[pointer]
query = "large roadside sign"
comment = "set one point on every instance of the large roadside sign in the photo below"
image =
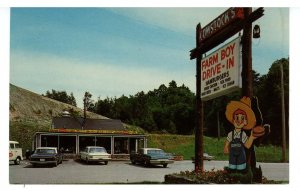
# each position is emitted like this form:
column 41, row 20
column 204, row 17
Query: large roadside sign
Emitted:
column 223, row 21
column 221, row 71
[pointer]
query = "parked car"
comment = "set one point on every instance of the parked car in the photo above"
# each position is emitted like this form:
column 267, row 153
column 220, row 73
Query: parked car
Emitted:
column 15, row 152
column 45, row 156
column 206, row 156
column 95, row 153
column 151, row 156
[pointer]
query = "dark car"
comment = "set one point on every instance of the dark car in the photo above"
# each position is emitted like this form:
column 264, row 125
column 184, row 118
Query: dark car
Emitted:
column 151, row 156
column 46, row 156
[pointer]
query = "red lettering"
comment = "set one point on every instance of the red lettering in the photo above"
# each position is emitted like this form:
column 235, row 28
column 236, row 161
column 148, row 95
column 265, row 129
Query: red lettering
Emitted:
column 211, row 72
column 230, row 62
column 228, row 51
column 210, row 61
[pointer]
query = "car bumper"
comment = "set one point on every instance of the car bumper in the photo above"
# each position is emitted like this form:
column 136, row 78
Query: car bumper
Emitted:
column 157, row 162
column 43, row 162
column 98, row 159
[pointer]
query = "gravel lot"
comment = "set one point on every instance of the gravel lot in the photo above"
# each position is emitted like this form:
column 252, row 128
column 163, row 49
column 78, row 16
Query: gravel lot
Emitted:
column 73, row 172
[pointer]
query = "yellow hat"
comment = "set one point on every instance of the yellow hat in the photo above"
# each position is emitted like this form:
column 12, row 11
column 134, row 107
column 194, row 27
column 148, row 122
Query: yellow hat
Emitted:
column 245, row 105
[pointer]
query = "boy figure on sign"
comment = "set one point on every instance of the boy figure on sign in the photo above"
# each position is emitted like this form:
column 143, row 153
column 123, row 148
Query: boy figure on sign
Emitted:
column 242, row 117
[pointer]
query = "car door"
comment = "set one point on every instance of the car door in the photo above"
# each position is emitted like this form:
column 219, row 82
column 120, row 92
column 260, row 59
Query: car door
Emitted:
column 84, row 153
column 12, row 151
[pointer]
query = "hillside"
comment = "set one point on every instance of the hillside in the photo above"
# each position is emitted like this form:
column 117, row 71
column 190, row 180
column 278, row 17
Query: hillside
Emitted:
column 24, row 104
column 30, row 112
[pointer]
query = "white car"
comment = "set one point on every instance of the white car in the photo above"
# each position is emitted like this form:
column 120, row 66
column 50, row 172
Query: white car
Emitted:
column 15, row 152
column 94, row 153
column 206, row 156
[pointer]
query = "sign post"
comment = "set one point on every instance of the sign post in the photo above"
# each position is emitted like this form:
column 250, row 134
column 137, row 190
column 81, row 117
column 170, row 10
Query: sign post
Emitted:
column 199, row 109
column 247, row 89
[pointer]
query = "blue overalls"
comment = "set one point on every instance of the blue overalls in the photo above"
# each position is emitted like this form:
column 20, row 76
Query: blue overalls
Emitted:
column 237, row 155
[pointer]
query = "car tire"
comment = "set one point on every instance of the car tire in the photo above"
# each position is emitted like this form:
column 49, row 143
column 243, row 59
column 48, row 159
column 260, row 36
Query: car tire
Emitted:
column 17, row 161
column 165, row 165
column 147, row 163
column 133, row 162
column 105, row 162
column 87, row 161
column 55, row 164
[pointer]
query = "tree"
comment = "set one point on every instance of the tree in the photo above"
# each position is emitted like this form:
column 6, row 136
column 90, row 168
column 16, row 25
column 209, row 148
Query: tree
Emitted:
column 61, row 96
column 166, row 109
column 104, row 107
column 269, row 94
column 87, row 102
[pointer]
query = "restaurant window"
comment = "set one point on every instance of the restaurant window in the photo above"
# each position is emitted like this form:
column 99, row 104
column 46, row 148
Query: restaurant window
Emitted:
column 121, row 145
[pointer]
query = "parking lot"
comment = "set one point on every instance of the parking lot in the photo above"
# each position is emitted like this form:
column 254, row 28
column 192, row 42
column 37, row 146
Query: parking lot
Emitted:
column 74, row 172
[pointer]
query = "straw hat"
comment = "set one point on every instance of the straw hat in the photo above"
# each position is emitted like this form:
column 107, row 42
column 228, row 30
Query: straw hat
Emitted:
column 245, row 105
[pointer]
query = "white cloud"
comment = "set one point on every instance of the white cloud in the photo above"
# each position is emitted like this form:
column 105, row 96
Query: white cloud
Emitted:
column 177, row 19
column 275, row 28
column 274, row 24
column 39, row 73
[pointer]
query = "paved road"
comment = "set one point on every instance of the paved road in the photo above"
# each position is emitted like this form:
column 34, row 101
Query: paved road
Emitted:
column 72, row 172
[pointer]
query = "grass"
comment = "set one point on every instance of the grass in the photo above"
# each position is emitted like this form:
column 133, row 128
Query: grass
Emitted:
column 184, row 145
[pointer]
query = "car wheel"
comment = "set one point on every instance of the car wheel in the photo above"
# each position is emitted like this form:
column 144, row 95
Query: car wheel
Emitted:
column 147, row 163
column 105, row 162
column 17, row 161
column 133, row 162
column 165, row 165
column 56, row 163
column 87, row 161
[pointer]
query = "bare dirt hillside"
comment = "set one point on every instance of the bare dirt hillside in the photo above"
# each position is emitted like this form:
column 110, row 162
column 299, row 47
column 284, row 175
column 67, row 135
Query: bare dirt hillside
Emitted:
column 24, row 104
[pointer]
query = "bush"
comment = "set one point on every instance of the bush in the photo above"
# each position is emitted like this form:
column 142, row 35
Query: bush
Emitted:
column 212, row 177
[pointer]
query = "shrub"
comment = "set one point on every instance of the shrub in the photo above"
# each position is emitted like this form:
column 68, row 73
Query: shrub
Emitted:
column 212, row 177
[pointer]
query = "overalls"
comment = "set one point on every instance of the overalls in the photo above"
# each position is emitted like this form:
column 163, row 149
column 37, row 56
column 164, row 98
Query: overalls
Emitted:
column 237, row 156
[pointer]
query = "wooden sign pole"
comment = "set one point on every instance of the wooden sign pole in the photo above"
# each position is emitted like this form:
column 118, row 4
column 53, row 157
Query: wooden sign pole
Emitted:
column 199, row 167
column 247, row 79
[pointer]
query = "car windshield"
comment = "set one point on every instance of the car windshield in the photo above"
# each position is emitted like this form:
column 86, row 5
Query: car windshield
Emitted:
column 45, row 151
column 155, row 152
column 97, row 150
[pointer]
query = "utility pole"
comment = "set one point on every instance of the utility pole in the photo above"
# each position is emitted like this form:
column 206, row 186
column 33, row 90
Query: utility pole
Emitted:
column 199, row 111
column 283, row 115
column 218, row 119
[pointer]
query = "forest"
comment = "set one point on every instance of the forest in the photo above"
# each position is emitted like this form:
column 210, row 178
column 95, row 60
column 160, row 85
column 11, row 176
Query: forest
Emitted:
column 171, row 108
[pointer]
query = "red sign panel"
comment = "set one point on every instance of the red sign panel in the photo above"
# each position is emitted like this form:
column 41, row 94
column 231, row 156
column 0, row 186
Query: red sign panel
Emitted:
column 226, row 18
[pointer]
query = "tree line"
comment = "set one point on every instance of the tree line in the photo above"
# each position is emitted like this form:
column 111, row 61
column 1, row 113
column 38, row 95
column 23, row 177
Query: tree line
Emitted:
column 171, row 109
column 61, row 96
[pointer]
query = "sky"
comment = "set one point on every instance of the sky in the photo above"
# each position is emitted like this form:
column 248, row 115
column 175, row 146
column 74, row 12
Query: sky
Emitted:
column 121, row 51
